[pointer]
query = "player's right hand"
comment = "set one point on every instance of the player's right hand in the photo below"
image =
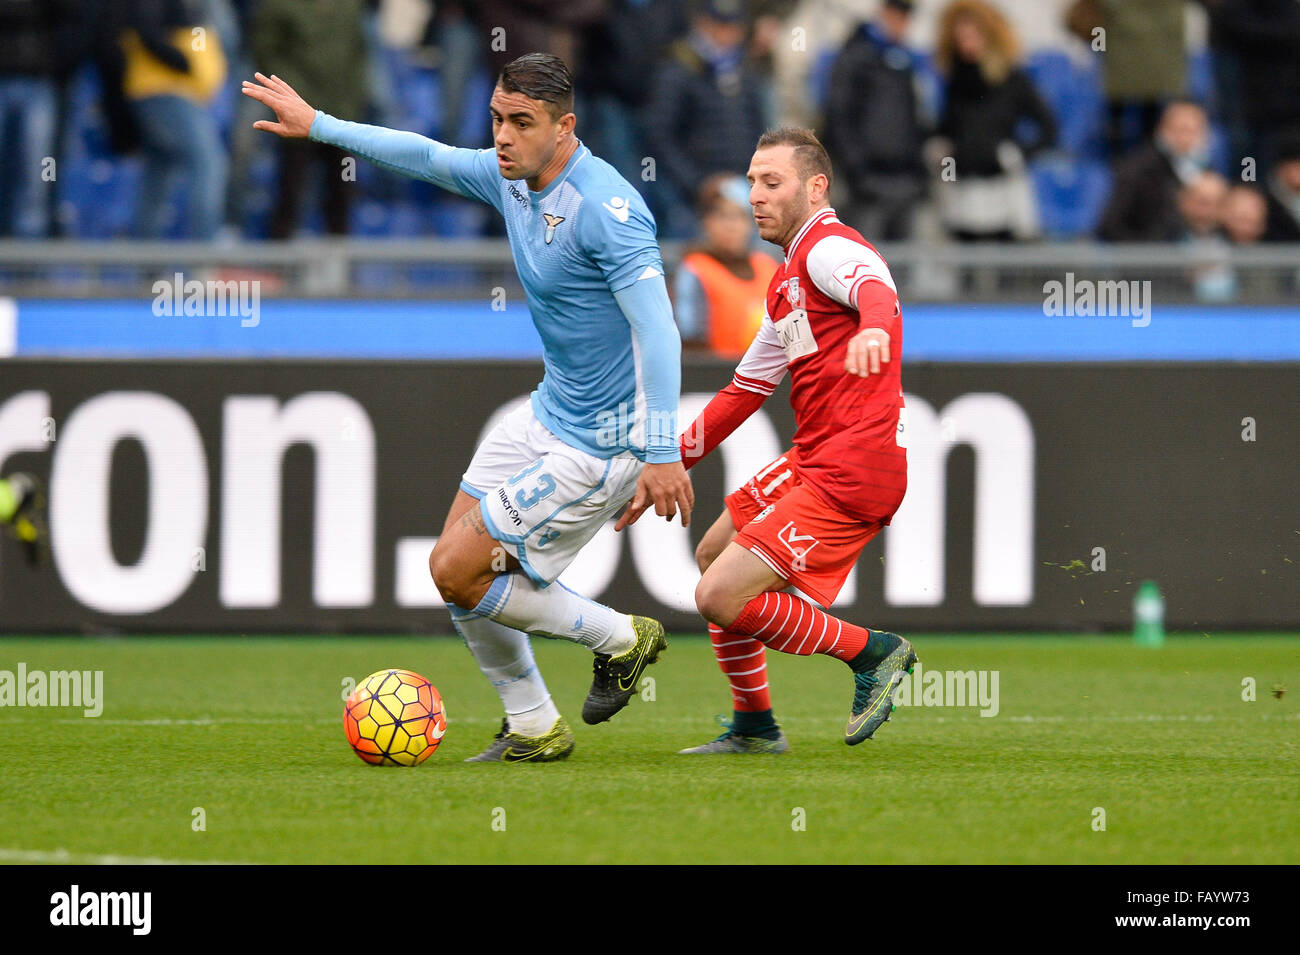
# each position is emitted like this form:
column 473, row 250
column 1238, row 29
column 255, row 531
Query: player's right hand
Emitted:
column 294, row 117
column 667, row 487
column 867, row 350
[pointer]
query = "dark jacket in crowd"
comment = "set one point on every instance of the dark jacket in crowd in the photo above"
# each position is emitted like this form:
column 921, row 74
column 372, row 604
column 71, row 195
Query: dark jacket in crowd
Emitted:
column 1143, row 204
column 532, row 26
column 1265, row 37
column 318, row 47
column 873, row 129
column 1283, row 226
column 35, row 38
column 978, row 116
column 700, row 120
column 620, row 51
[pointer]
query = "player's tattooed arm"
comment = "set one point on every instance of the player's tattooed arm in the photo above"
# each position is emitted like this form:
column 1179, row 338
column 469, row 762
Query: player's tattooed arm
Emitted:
column 473, row 520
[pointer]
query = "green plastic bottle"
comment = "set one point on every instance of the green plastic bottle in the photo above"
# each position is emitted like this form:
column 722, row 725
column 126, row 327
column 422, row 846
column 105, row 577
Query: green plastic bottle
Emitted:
column 1149, row 615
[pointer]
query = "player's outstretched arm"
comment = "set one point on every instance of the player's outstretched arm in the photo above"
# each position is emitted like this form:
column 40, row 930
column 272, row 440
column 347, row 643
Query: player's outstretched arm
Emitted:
column 760, row 370
column 466, row 172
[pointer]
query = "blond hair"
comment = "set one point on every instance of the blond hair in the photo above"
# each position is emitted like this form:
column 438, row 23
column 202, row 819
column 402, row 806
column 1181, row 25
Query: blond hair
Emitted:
column 1001, row 47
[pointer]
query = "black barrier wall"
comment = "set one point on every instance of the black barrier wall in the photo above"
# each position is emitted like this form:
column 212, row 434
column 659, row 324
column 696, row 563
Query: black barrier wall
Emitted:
column 304, row 496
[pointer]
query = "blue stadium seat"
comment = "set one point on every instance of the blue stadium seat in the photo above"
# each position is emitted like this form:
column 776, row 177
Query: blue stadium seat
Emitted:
column 819, row 78
column 1071, row 194
column 1075, row 94
column 1200, row 78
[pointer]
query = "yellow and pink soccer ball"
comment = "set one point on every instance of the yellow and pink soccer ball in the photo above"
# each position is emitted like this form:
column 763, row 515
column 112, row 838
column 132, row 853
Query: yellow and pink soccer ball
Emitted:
column 394, row 718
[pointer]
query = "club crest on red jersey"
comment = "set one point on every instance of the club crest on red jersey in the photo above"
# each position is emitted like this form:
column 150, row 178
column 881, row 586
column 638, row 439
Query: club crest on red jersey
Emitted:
column 793, row 293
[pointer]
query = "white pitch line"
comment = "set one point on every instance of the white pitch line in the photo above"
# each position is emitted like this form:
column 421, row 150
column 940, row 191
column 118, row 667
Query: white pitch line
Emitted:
column 64, row 857
column 945, row 716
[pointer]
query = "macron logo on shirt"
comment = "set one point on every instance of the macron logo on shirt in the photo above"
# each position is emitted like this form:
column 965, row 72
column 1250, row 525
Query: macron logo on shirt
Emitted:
column 619, row 208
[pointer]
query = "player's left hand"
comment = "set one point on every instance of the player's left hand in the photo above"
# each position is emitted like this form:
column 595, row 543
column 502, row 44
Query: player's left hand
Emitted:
column 293, row 114
column 868, row 350
column 668, row 487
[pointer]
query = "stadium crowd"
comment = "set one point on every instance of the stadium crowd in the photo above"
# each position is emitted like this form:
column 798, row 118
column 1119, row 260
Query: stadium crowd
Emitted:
column 121, row 117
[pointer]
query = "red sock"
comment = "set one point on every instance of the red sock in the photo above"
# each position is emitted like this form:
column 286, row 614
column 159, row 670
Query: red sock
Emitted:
column 792, row 625
column 743, row 660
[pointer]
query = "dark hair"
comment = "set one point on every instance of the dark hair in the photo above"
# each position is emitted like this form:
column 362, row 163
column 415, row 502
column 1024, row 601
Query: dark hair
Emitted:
column 540, row 76
column 810, row 156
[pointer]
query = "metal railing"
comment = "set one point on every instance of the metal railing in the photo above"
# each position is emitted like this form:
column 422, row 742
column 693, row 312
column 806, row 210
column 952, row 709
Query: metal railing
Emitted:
column 465, row 269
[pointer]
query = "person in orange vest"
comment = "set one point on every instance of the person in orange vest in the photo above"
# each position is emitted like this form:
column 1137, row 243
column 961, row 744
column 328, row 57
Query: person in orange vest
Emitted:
column 721, row 285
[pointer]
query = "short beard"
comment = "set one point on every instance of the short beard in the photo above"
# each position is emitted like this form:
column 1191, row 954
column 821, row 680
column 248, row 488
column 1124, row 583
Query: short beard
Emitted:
column 797, row 219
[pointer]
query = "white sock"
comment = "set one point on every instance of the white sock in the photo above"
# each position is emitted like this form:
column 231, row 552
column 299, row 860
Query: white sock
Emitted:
column 556, row 611
column 506, row 658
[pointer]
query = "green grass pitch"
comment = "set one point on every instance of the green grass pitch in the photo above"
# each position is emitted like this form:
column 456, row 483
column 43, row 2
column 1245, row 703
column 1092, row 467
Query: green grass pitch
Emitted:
column 249, row 730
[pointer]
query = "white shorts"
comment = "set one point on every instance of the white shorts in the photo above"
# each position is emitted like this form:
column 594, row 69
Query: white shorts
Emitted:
column 541, row 497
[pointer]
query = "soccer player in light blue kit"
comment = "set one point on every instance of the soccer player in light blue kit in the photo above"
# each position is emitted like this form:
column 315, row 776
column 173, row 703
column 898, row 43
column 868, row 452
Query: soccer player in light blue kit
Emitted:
column 600, row 429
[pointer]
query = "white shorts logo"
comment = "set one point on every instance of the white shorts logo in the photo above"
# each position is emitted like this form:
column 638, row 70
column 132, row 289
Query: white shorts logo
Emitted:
column 793, row 541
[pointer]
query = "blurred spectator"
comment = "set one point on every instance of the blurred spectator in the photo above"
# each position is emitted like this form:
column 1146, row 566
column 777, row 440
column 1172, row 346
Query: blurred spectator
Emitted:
column 319, row 48
column 873, row 127
column 766, row 37
column 382, row 106
column 1244, row 215
column 245, row 143
column 1260, row 41
column 1145, row 65
column 454, row 34
column 512, row 28
column 1284, row 190
column 985, row 191
column 814, row 29
column 1200, row 204
column 1229, row 112
column 721, row 286
column 705, row 111
column 619, row 55
column 173, row 67
column 1143, row 205
column 33, row 62
column 1200, row 207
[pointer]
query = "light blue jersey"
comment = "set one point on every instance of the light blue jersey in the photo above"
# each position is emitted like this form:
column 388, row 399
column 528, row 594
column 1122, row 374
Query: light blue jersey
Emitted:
column 587, row 256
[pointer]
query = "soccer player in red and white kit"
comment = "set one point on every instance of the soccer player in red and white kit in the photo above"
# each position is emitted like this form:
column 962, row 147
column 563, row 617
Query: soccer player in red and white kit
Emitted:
column 781, row 552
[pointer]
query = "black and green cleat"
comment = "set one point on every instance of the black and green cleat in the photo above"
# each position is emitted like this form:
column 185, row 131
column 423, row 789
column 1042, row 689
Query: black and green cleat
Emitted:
column 731, row 743
column 874, row 681
column 614, row 679
column 511, row 747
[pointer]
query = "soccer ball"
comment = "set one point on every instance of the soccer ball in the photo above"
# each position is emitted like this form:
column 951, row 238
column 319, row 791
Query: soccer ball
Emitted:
column 394, row 718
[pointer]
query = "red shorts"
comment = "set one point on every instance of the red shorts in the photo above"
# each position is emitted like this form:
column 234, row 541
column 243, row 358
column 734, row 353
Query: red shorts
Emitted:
column 788, row 526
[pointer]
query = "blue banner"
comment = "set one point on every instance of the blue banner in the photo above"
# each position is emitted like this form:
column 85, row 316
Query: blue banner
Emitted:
column 304, row 328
